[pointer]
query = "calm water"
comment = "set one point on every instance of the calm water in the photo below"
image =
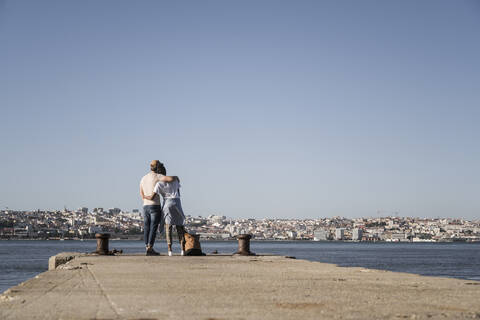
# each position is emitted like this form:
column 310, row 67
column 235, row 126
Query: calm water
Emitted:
column 21, row 260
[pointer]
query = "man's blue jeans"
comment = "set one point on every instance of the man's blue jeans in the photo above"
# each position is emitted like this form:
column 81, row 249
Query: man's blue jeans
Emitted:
column 151, row 218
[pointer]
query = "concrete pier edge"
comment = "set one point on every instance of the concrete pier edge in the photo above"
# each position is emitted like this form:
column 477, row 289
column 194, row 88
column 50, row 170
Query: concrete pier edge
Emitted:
column 62, row 258
column 225, row 286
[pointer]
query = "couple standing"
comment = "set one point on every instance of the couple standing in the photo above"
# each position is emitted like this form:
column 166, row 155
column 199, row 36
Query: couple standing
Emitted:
column 154, row 184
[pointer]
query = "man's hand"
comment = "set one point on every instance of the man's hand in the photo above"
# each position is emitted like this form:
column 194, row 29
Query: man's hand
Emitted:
column 149, row 197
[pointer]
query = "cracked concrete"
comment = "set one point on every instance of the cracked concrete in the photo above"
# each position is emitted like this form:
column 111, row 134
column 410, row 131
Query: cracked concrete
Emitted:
column 233, row 287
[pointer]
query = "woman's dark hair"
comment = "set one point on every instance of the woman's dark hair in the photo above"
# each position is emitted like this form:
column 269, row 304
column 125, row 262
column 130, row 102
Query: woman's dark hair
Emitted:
column 161, row 169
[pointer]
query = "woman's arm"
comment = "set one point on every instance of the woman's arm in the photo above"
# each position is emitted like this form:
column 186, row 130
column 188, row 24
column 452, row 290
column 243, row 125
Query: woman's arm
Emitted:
column 169, row 178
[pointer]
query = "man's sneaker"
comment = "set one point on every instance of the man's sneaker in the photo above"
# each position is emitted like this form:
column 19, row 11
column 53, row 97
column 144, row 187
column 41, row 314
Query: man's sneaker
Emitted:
column 169, row 253
column 182, row 253
column 151, row 252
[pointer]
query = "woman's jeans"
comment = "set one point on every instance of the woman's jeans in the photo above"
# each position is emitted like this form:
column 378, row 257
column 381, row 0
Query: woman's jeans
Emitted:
column 151, row 218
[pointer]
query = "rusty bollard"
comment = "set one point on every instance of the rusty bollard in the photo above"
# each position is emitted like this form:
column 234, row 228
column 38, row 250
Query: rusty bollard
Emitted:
column 244, row 245
column 102, row 243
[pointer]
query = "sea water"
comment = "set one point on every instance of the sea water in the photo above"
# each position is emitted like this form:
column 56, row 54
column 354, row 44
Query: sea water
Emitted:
column 21, row 260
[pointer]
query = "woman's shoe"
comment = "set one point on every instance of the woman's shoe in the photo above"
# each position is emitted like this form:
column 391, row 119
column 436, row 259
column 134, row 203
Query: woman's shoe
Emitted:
column 169, row 253
column 182, row 253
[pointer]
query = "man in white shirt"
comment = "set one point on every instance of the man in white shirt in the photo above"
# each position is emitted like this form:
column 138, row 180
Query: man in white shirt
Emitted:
column 152, row 209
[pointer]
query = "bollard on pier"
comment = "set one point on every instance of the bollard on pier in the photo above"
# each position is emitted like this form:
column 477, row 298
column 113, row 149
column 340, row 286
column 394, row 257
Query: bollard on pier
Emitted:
column 102, row 243
column 244, row 245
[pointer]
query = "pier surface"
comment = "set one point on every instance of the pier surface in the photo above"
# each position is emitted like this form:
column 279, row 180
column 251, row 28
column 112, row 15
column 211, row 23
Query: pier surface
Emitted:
column 233, row 287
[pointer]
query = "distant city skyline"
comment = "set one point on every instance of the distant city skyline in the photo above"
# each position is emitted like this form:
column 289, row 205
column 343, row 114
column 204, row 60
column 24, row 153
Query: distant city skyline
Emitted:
column 378, row 214
column 264, row 109
column 81, row 223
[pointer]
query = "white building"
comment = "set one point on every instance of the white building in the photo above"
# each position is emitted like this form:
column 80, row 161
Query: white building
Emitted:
column 357, row 234
column 398, row 237
column 94, row 229
column 291, row 234
column 320, row 235
column 339, row 233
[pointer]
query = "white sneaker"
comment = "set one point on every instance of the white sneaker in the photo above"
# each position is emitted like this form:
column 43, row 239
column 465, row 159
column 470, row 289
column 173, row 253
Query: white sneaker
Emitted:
column 169, row 253
column 182, row 253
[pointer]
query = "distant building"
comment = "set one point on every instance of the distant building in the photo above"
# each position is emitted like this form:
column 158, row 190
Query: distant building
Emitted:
column 357, row 234
column 216, row 218
column 94, row 229
column 339, row 234
column 320, row 235
column 292, row 234
column 20, row 232
column 114, row 210
column 397, row 237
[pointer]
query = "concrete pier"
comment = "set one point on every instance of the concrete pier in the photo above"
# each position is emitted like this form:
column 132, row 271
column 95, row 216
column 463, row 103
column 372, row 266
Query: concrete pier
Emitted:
column 232, row 287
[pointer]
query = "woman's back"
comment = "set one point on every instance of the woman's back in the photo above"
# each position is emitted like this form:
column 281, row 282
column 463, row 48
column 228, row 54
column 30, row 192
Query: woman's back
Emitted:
column 168, row 190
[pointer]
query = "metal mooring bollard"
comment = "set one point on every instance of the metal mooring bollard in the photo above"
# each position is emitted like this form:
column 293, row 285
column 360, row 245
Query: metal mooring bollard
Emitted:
column 102, row 243
column 244, row 245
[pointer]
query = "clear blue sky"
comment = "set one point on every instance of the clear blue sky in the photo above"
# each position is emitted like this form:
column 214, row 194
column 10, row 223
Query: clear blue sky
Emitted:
column 263, row 108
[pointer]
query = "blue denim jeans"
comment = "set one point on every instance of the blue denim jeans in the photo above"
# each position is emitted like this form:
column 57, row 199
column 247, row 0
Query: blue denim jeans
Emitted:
column 151, row 218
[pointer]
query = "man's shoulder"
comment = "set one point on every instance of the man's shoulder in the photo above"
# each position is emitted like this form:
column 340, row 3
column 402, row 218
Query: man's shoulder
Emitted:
column 153, row 175
column 149, row 177
column 145, row 177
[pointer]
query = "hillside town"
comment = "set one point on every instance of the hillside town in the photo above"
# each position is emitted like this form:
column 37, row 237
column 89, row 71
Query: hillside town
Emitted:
column 84, row 223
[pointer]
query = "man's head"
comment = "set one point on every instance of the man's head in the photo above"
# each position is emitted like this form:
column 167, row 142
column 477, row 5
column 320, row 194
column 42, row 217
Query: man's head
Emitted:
column 158, row 167
column 154, row 165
